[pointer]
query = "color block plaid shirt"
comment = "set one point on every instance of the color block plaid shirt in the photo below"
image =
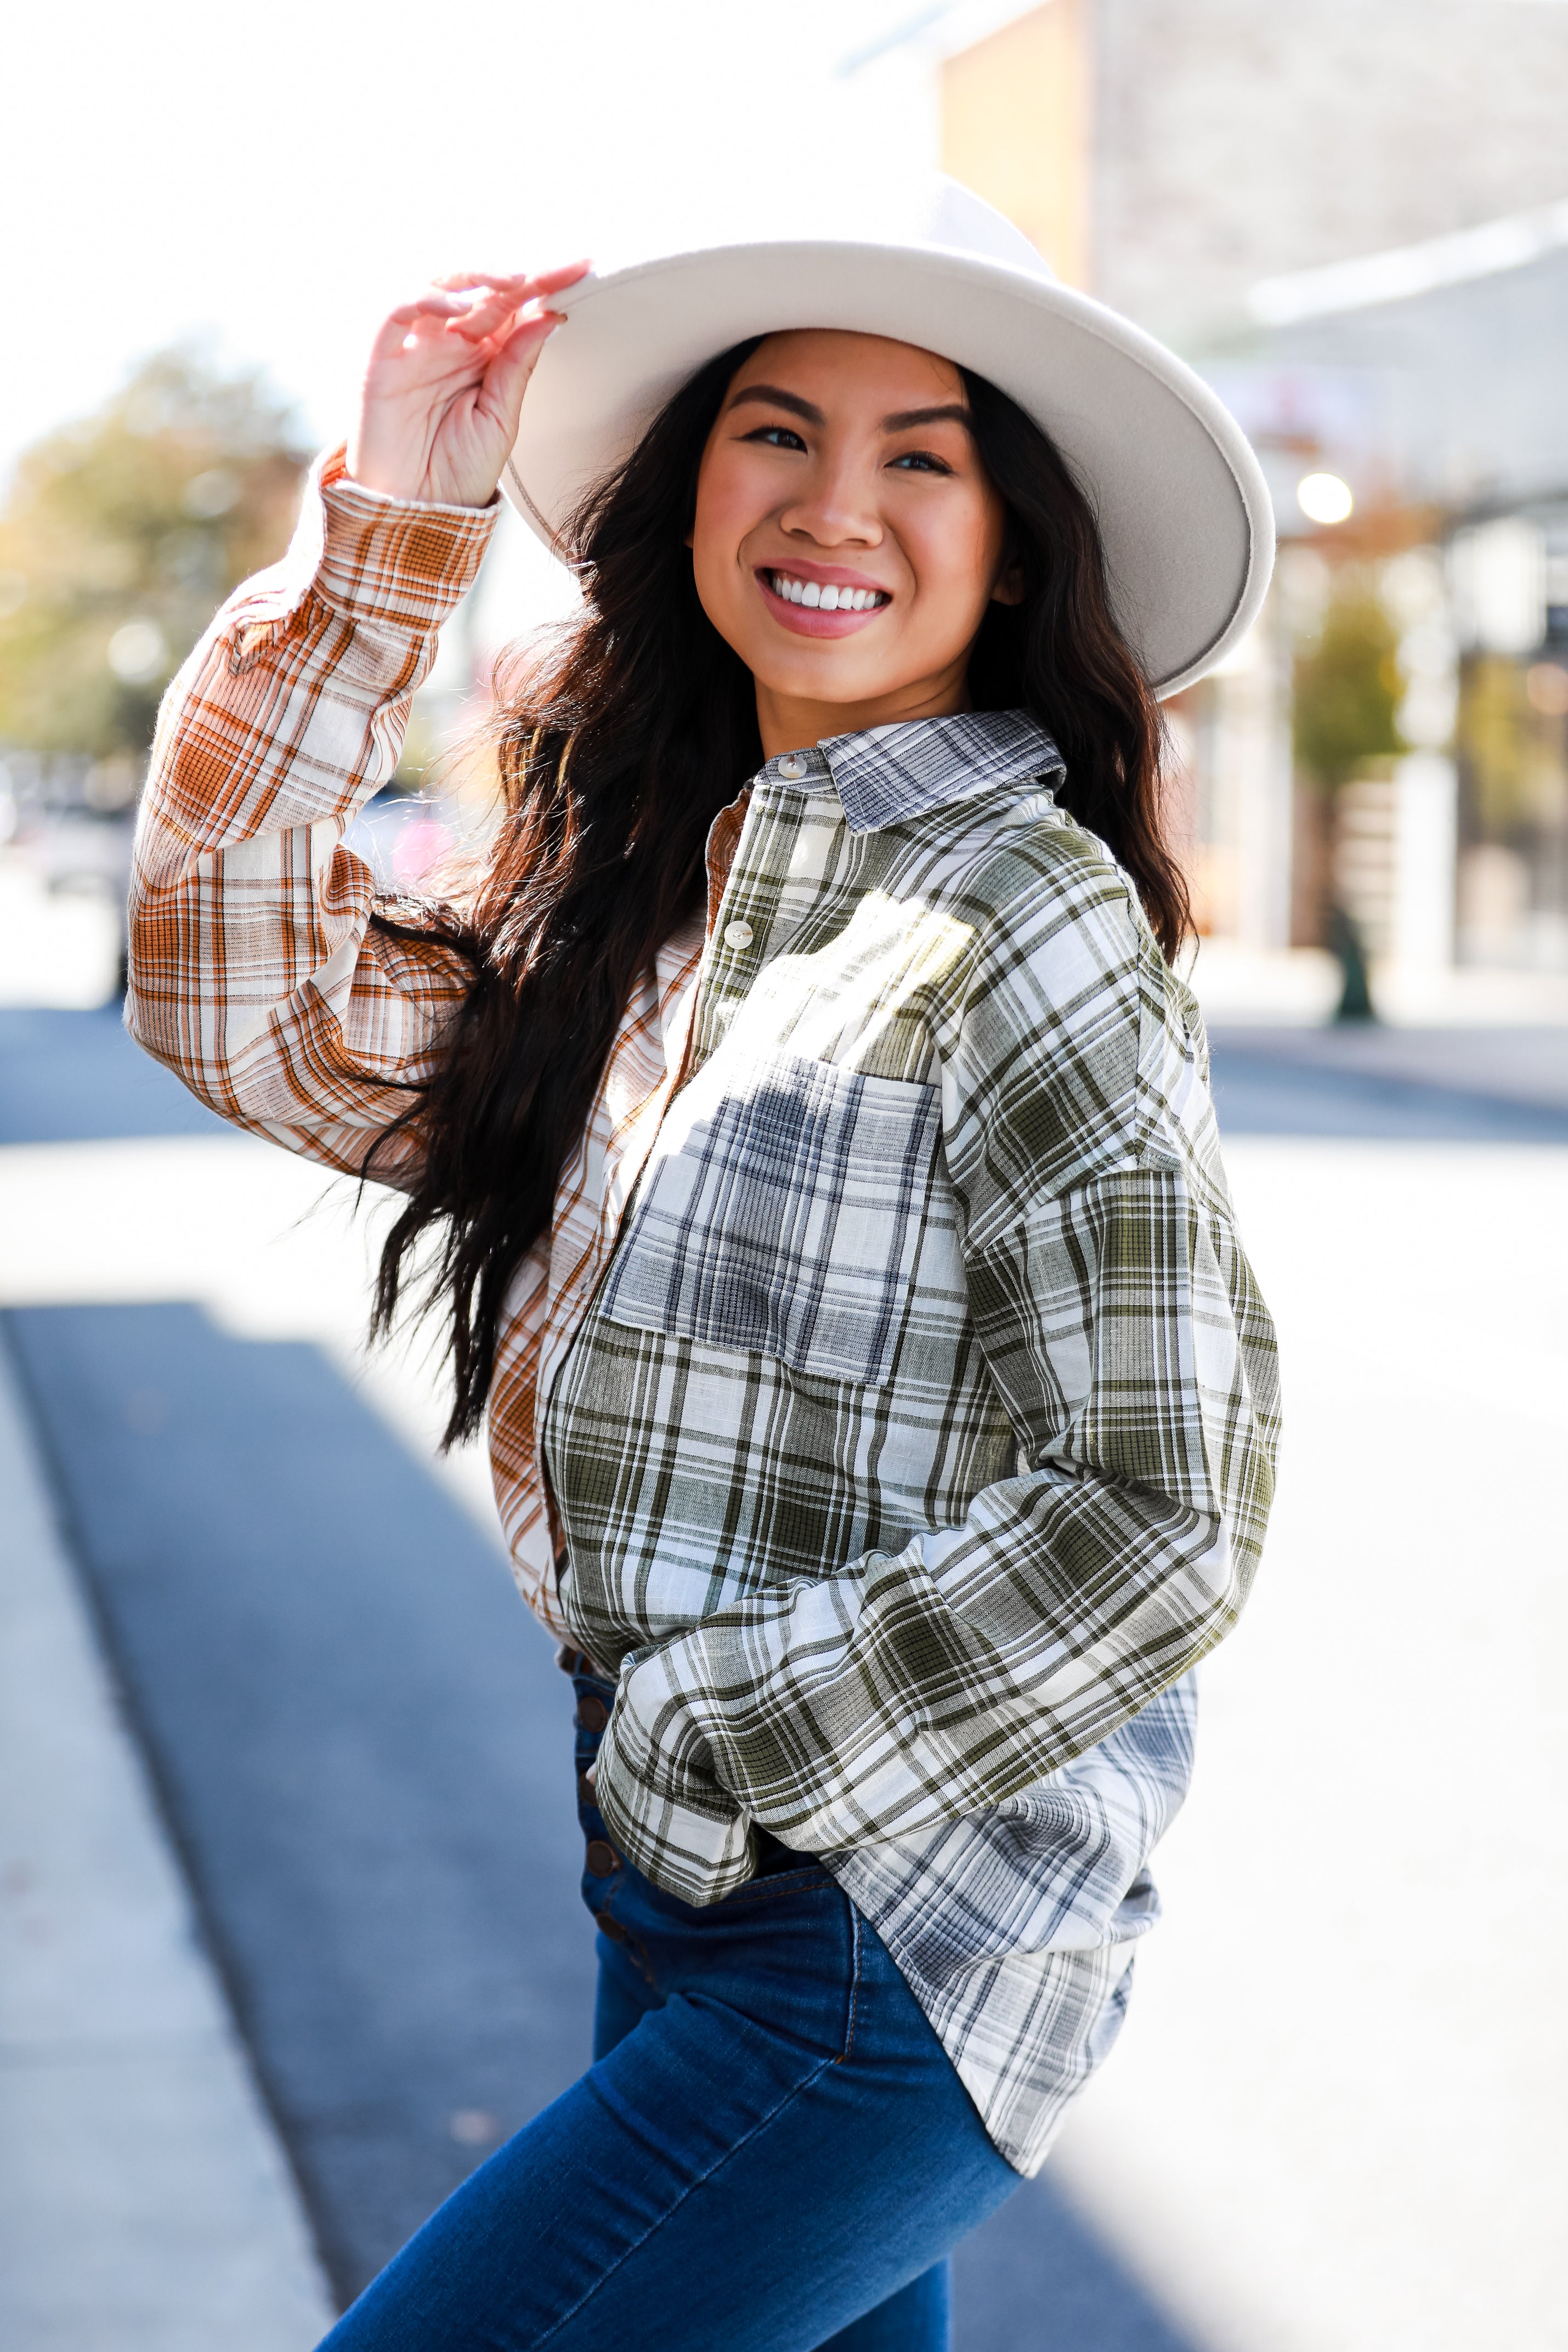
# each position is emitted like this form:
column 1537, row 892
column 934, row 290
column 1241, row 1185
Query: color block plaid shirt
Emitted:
column 890, row 1401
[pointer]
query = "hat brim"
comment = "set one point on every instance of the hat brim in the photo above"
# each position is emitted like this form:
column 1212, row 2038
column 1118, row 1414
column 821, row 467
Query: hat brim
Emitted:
column 1184, row 511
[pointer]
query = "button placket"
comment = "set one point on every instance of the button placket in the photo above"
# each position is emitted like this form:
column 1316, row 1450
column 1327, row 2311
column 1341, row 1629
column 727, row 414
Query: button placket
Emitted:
column 738, row 936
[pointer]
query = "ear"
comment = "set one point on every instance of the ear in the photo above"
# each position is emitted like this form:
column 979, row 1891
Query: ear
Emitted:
column 1008, row 588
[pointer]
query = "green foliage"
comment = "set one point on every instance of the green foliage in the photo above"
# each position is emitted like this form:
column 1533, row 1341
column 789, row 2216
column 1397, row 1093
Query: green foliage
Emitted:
column 1511, row 752
column 1348, row 688
column 121, row 535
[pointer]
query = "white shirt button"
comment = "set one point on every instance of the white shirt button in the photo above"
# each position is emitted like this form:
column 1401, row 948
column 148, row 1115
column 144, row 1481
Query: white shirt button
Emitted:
column 737, row 935
column 791, row 767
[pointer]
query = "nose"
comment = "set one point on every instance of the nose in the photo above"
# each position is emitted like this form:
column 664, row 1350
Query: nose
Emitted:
column 837, row 506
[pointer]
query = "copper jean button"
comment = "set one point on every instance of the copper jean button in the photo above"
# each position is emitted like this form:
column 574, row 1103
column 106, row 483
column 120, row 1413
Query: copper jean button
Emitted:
column 611, row 1927
column 593, row 1713
column 585, row 1795
column 602, row 1859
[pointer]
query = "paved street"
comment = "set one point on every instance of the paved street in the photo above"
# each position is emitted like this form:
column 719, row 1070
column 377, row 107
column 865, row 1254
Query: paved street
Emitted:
column 1331, row 2125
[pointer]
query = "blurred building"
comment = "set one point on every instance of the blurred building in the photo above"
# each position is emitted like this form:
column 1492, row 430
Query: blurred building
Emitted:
column 1167, row 154
column 1429, row 379
column 1350, row 219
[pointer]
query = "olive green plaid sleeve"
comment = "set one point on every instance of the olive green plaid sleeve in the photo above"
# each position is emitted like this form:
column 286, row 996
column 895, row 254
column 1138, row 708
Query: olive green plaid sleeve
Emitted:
column 1123, row 1332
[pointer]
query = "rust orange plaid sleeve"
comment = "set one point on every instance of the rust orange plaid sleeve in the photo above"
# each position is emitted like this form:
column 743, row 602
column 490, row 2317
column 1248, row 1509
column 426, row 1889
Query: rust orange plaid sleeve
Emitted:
column 256, row 973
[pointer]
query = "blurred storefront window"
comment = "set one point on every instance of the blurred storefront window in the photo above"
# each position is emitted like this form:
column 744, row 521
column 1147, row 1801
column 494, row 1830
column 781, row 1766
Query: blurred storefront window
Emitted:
column 1389, row 750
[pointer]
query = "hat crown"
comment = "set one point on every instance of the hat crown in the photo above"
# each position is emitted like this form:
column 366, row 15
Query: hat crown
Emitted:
column 955, row 217
column 917, row 213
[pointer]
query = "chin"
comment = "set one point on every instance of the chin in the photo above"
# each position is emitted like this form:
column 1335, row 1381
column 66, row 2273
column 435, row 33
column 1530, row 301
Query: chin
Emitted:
column 828, row 680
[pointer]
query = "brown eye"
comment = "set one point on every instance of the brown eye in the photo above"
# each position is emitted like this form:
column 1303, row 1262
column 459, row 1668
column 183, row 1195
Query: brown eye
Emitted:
column 776, row 436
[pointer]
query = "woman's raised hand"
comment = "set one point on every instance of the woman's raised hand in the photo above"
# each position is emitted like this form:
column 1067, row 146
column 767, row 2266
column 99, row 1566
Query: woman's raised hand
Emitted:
column 444, row 386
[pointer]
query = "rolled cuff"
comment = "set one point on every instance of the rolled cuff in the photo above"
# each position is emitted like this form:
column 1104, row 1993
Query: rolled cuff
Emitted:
column 406, row 561
column 664, row 1809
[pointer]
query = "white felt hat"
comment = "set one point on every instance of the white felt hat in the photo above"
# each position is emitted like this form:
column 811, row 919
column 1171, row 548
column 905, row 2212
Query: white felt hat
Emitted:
column 1184, row 511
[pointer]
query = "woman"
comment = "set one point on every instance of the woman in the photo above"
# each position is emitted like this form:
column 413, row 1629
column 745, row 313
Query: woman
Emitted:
column 829, row 1221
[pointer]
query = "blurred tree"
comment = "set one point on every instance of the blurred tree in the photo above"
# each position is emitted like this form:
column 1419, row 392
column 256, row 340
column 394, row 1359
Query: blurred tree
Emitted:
column 1347, row 687
column 1510, row 750
column 121, row 536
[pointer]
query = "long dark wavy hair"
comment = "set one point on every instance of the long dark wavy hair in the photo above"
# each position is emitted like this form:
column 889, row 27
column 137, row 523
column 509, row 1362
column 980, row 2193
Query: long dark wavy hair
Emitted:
column 616, row 753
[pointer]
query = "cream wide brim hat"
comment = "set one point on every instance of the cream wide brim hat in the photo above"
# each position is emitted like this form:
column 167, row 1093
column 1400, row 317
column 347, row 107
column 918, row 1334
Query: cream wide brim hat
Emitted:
column 1184, row 511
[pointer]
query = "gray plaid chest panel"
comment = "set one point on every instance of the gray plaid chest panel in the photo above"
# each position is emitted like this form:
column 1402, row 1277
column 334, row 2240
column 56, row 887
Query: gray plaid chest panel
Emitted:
column 785, row 1214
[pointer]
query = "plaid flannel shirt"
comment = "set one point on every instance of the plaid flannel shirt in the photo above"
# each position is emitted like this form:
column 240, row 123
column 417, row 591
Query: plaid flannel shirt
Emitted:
column 891, row 1404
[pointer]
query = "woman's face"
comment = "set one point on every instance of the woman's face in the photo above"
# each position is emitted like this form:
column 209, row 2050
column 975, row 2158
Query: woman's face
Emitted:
column 847, row 539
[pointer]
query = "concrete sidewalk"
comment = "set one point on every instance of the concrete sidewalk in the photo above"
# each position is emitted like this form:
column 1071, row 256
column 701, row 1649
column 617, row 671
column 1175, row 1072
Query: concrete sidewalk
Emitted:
column 145, row 2205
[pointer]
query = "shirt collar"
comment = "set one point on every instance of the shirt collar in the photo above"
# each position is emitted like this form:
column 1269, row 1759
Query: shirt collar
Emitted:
column 885, row 773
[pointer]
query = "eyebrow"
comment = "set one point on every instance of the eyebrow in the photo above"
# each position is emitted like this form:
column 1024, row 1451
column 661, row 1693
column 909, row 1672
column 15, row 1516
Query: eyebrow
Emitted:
column 953, row 412
column 902, row 421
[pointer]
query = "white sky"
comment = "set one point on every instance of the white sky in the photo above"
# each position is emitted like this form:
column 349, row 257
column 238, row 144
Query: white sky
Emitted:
column 280, row 175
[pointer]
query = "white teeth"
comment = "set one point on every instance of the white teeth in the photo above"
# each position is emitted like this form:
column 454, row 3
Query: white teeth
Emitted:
column 831, row 599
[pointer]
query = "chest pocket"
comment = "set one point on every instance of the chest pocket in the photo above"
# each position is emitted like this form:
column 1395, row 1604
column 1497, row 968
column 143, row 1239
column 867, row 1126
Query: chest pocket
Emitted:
column 785, row 1218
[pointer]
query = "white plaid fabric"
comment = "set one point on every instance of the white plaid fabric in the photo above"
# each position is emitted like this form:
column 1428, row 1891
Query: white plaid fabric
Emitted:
column 892, row 1387
column 789, row 1220
column 920, row 1437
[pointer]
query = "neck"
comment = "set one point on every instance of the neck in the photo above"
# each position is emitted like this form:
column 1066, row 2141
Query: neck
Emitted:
column 793, row 723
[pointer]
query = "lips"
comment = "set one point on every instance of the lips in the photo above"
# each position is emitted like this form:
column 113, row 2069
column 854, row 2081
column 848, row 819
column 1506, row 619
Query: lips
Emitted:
column 810, row 606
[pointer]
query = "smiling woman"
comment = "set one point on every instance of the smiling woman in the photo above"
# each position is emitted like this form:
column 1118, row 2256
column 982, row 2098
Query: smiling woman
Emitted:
column 818, row 1148
column 844, row 469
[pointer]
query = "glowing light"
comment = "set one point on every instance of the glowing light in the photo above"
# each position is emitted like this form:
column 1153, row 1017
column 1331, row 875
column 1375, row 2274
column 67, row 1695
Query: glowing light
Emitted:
column 1324, row 498
column 137, row 653
column 207, row 495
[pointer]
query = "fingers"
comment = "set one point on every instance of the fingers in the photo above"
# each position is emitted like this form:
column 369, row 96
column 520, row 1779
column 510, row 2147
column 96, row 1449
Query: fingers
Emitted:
column 500, row 395
column 435, row 318
column 522, row 285
column 468, row 305
column 430, row 311
column 489, row 311
column 486, row 315
column 495, row 297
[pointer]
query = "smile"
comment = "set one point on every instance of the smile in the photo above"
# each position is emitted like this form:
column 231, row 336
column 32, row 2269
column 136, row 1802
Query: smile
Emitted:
column 821, row 608
column 829, row 599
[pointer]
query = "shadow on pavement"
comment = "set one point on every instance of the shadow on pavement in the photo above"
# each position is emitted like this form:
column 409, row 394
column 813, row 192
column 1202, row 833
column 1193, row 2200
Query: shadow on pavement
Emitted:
column 1417, row 1086
column 75, row 1077
column 363, row 1749
column 361, row 1742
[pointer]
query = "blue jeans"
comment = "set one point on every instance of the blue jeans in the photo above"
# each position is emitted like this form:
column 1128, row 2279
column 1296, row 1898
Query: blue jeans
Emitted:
column 770, row 2152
